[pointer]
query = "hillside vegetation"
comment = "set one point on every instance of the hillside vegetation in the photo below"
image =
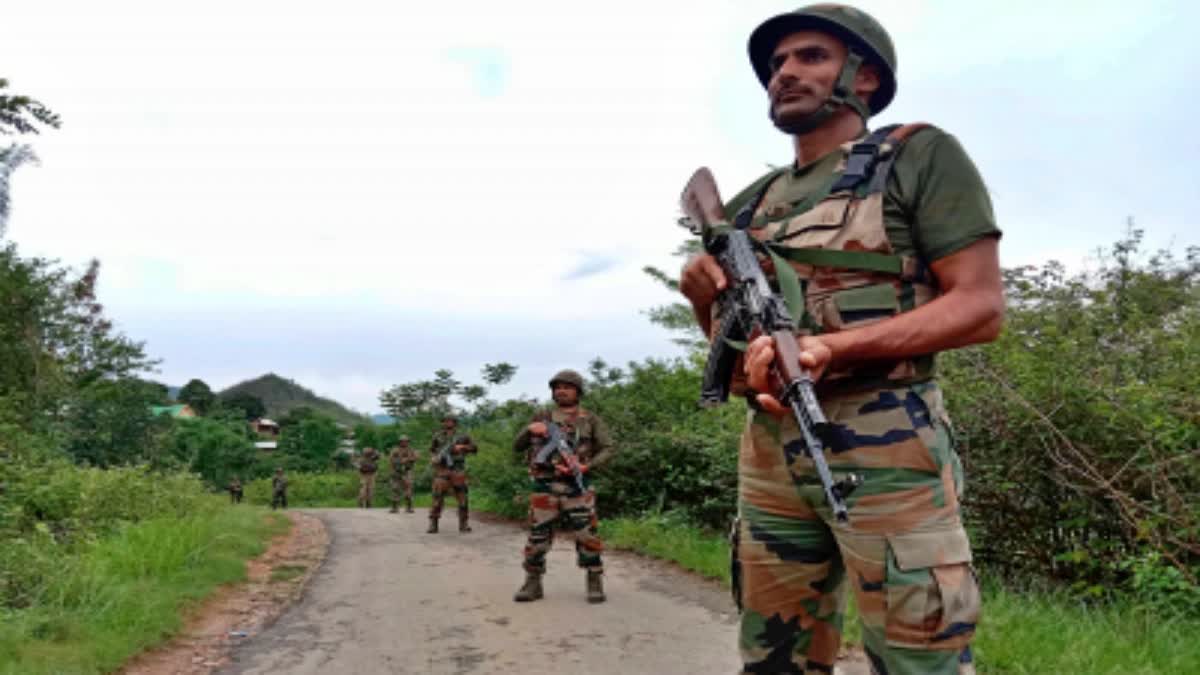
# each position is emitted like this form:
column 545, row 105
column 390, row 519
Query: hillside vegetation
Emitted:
column 281, row 395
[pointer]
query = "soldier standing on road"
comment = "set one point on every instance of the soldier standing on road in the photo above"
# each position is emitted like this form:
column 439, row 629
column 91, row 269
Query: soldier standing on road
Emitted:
column 235, row 491
column 279, row 485
column 402, row 459
column 368, row 466
column 555, row 498
column 892, row 238
column 448, row 454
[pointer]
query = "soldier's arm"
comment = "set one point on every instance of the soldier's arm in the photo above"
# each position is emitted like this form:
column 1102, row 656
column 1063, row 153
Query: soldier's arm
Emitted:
column 470, row 443
column 602, row 444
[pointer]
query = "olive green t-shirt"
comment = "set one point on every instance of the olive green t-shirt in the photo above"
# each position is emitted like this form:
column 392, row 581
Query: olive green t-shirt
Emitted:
column 934, row 192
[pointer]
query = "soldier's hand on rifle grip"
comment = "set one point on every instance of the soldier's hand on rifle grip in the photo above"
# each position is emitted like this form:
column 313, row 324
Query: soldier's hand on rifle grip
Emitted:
column 537, row 429
column 701, row 280
column 815, row 355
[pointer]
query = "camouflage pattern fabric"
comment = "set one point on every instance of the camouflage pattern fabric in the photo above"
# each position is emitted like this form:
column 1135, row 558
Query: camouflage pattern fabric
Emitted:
column 279, row 486
column 369, row 463
column 557, row 503
column 445, row 481
column 402, row 460
column 455, row 479
column 554, row 499
column 366, row 488
column 904, row 553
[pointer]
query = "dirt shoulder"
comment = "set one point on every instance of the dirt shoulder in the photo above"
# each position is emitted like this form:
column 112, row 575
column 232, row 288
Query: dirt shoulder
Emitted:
column 236, row 613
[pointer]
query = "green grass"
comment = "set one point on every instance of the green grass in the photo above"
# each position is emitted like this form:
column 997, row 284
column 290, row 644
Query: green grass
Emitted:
column 127, row 592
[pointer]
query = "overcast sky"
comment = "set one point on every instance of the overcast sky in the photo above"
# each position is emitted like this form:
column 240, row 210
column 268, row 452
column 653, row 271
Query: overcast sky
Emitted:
column 353, row 194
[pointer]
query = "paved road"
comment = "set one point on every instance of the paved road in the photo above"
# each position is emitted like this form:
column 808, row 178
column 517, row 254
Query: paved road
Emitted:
column 392, row 599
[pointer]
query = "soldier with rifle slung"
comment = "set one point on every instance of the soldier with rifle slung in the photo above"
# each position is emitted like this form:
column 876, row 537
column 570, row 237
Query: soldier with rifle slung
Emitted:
column 563, row 446
column 448, row 454
column 880, row 250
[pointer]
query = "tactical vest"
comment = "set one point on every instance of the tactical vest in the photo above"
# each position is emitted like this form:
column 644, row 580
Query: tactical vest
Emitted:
column 835, row 240
column 578, row 430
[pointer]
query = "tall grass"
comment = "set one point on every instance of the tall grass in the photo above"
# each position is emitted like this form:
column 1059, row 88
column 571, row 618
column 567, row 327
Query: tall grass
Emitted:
column 126, row 592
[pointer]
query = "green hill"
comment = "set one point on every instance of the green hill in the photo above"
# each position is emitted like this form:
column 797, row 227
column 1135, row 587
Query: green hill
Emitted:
column 280, row 395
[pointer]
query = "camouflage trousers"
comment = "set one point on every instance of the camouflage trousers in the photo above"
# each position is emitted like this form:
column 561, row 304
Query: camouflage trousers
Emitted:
column 556, row 503
column 445, row 480
column 904, row 553
column 402, row 485
column 279, row 499
column 366, row 488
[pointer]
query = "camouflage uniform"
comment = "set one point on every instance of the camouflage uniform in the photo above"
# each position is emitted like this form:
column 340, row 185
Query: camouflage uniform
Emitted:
column 555, row 500
column 235, row 491
column 861, row 252
column 279, row 486
column 451, row 478
column 368, row 466
column 402, row 459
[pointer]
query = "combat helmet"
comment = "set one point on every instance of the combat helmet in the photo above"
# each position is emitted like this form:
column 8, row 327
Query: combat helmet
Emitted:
column 866, row 38
column 570, row 377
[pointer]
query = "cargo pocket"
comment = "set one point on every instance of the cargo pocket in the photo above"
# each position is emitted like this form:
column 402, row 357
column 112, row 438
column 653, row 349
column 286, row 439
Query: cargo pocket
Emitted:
column 931, row 594
column 866, row 304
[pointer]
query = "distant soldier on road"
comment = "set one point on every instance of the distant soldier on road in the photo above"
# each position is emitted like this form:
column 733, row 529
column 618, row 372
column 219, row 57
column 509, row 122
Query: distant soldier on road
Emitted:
column 368, row 466
column 279, row 485
column 235, row 491
column 561, row 495
column 402, row 458
column 448, row 454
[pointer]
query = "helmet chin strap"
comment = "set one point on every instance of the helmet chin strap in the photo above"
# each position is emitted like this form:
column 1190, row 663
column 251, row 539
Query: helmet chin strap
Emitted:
column 843, row 94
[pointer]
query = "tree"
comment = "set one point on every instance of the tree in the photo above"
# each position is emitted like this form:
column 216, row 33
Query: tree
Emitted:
column 677, row 317
column 500, row 373
column 216, row 450
column 55, row 341
column 18, row 115
column 251, row 406
column 198, row 395
column 311, row 443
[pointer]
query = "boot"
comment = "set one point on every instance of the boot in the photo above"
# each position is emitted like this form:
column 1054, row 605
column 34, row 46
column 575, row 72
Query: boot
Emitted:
column 432, row 526
column 408, row 505
column 395, row 507
column 463, row 526
column 595, row 587
column 532, row 590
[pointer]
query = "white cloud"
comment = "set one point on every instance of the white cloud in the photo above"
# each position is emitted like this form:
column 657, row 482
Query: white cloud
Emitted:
column 322, row 161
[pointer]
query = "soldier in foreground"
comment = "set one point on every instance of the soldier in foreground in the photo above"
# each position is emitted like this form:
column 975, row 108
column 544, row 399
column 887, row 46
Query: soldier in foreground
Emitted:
column 888, row 239
column 368, row 466
column 560, row 494
column 402, row 459
column 235, row 491
column 448, row 454
column 279, row 485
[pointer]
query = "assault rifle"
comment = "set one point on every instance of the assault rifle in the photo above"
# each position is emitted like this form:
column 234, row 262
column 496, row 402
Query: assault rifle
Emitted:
column 750, row 308
column 556, row 441
column 445, row 456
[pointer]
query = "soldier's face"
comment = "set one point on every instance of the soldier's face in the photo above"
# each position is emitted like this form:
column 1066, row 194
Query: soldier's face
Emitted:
column 448, row 424
column 565, row 394
column 804, row 69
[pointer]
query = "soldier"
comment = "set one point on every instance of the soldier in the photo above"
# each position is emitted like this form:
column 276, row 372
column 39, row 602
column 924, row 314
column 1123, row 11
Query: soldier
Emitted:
column 279, row 486
column 448, row 454
column 235, row 491
column 555, row 498
column 892, row 240
column 402, row 458
column 368, row 465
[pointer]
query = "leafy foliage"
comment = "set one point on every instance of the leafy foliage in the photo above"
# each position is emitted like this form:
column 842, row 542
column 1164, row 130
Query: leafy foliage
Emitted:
column 281, row 395
column 197, row 394
column 1081, row 423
